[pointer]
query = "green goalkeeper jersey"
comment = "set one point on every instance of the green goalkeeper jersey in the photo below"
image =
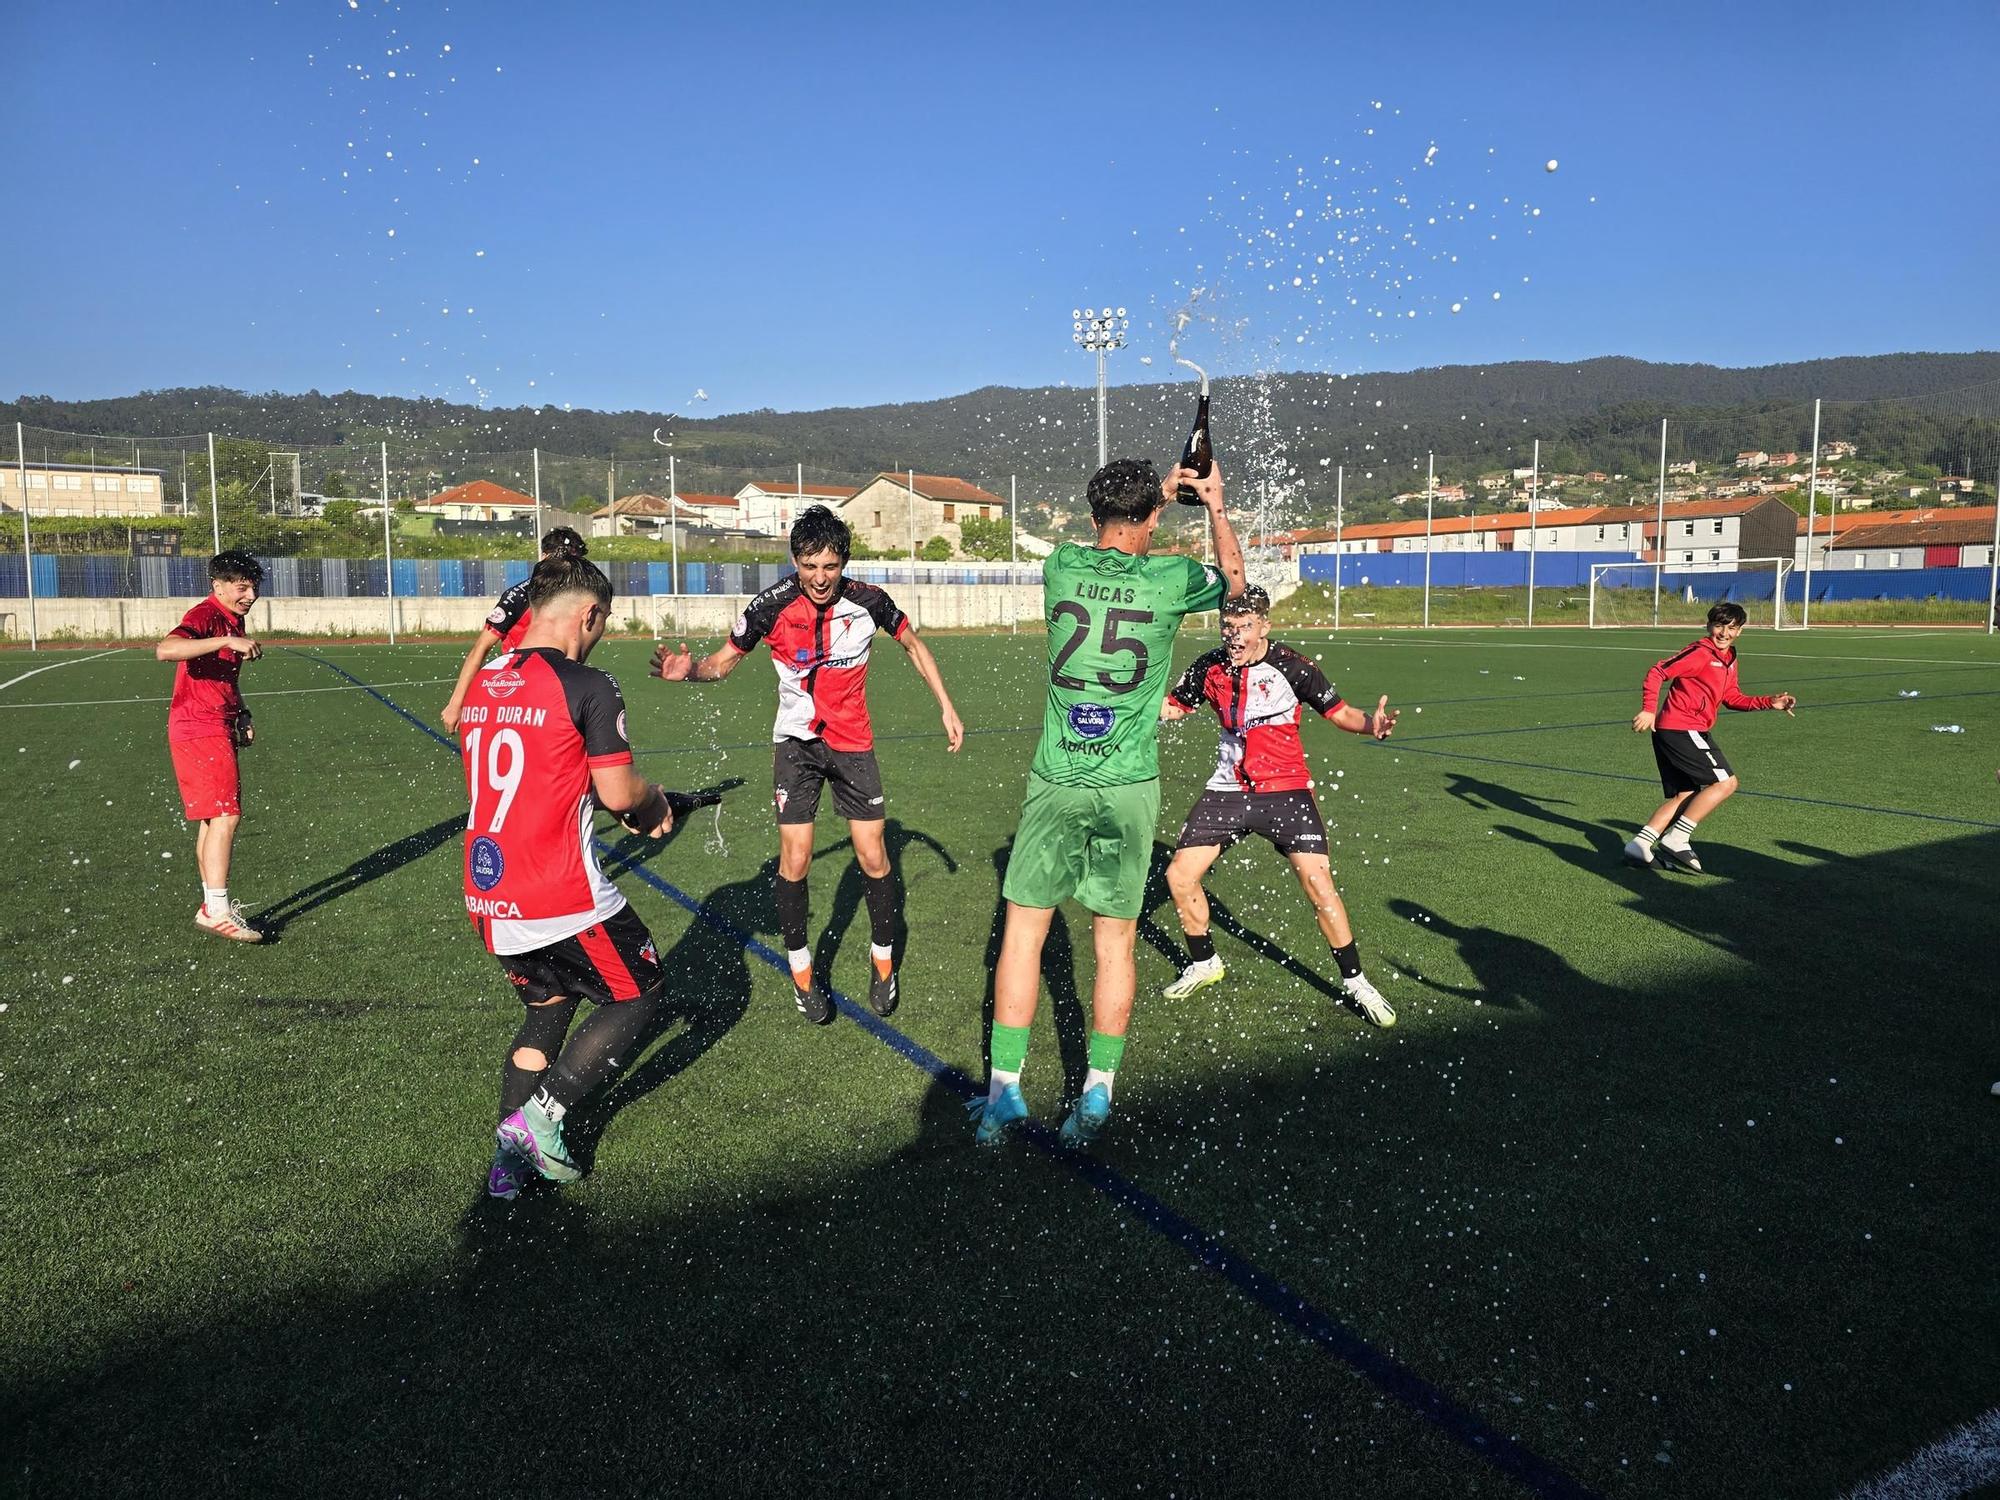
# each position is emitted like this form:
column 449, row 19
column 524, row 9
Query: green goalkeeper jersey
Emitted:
column 1112, row 619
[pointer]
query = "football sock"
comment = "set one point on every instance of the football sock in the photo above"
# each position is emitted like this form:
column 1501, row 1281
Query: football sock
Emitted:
column 1349, row 959
column 801, row 961
column 879, row 891
column 1106, row 1051
column 791, row 895
column 1201, row 947
column 215, row 899
column 1646, row 837
column 1678, row 833
column 609, row 1038
column 550, row 1108
column 1009, row 1053
column 885, row 958
column 542, row 1030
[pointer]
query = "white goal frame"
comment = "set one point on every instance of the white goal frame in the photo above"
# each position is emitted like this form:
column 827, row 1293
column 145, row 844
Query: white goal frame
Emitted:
column 1782, row 567
column 667, row 613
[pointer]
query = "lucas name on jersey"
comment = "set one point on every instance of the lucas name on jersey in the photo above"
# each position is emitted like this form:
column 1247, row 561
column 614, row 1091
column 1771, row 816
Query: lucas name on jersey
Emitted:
column 504, row 713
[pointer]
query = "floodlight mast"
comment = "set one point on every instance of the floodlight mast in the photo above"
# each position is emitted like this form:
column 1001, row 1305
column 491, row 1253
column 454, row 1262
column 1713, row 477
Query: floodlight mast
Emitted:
column 1099, row 333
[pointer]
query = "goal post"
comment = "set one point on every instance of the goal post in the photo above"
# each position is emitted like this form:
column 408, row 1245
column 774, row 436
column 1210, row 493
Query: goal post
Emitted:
column 1622, row 593
column 675, row 616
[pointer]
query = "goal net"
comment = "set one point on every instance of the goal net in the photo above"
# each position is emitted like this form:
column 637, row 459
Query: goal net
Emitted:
column 1625, row 594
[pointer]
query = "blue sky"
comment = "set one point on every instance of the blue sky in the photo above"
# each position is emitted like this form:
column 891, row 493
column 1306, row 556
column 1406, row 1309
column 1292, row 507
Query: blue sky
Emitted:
column 618, row 205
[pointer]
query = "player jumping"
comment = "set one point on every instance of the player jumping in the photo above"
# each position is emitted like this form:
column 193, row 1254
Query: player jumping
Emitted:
column 543, row 740
column 508, row 620
column 206, row 725
column 1694, row 773
column 820, row 626
column 1094, row 790
column 1259, row 688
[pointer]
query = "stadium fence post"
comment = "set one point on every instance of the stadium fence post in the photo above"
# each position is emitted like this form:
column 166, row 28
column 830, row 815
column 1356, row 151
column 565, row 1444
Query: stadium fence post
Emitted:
column 1013, row 520
column 1430, row 489
column 1992, row 563
column 1534, row 525
column 535, row 540
column 673, row 534
column 214, row 515
column 1339, row 507
column 1812, row 498
column 912, row 476
column 27, row 546
column 388, row 552
column 1660, row 524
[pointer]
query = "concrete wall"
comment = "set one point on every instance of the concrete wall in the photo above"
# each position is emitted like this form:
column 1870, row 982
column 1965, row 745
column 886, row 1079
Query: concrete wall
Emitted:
column 930, row 606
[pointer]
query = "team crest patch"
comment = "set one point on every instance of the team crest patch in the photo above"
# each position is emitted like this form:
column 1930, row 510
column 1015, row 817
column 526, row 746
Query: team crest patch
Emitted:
column 1090, row 721
column 486, row 863
column 649, row 953
column 742, row 624
column 621, row 724
column 782, row 797
column 504, row 683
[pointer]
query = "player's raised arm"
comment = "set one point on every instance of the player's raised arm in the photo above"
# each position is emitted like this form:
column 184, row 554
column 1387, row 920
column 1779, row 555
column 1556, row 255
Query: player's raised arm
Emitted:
column 1228, row 550
column 681, row 666
column 927, row 668
column 1378, row 725
column 186, row 648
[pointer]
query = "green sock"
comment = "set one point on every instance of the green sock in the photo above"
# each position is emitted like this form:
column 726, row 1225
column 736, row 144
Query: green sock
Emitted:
column 1009, row 1048
column 1106, row 1051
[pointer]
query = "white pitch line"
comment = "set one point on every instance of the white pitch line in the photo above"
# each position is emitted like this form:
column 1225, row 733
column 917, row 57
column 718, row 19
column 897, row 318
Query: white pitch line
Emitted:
column 1955, row 1465
column 1757, row 653
column 267, row 693
column 73, row 661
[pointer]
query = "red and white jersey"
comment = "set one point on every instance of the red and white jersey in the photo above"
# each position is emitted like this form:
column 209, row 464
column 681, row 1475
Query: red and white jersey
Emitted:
column 533, row 725
column 1259, row 706
column 821, row 653
column 1704, row 677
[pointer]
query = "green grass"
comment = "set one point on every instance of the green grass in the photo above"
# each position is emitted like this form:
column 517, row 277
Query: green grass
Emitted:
column 245, row 1249
column 1363, row 606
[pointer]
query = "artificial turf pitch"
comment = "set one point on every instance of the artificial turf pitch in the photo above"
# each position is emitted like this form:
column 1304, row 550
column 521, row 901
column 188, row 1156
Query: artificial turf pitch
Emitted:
column 1663, row 1185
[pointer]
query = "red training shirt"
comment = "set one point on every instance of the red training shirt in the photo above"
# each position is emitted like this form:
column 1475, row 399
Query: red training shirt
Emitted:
column 206, row 697
column 1259, row 705
column 533, row 725
column 1704, row 676
column 821, row 653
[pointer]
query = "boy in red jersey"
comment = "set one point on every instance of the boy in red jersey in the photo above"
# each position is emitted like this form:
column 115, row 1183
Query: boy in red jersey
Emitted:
column 1694, row 773
column 543, row 741
column 1259, row 689
column 820, row 626
column 507, row 621
column 206, row 723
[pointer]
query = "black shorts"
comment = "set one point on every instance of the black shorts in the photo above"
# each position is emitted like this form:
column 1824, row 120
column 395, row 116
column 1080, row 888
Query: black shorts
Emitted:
column 1689, row 760
column 1290, row 820
column 800, row 767
column 614, row 960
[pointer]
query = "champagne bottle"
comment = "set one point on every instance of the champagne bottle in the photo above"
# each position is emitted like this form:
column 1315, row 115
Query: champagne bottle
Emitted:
column 1199, row 454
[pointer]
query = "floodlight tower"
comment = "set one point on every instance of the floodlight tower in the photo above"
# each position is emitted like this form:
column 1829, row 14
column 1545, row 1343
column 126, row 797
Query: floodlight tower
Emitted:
column 1099, row 334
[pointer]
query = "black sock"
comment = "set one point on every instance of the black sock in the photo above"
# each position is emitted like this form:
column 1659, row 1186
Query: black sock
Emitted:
column 517, row 1085
column 792, row 910
column 603, row 1047
column 880, row 893
column 1349, row 959
column 1201, row 947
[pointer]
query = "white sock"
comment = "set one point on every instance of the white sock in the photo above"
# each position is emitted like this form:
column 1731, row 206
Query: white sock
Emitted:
column 1645, row 836
column 1096, row 1076
column 882, row 953
column 548, row 1106
column 801, row 960
column 1678, row 833
column 999, row 1083
column 215, row 899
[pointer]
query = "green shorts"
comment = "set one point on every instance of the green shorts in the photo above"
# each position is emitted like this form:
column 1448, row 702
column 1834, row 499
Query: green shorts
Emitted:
column 1091, row 842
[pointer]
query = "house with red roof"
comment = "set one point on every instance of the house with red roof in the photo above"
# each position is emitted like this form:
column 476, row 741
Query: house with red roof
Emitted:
column 478, row 500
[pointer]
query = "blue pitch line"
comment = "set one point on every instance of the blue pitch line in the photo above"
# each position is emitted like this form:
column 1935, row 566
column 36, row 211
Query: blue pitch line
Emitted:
column 1379, row 1369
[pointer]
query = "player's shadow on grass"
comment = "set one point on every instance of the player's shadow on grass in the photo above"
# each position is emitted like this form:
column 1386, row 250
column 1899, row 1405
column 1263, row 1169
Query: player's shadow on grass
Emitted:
column 280, row 914
column 1507, row 970
column 1222, row 919
column 1068, row 1008
column 849, row 894
column 1474, row 792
